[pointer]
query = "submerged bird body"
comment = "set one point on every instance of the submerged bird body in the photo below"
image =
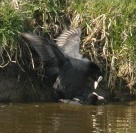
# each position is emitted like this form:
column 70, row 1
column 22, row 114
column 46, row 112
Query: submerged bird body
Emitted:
column 64, row 60
column 92, row 99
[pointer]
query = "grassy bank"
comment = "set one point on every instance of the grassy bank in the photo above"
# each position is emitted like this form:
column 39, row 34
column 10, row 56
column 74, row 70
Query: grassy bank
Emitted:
column 108, row 39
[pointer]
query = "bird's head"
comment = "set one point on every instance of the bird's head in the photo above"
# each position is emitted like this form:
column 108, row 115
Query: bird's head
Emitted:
column 95, row 74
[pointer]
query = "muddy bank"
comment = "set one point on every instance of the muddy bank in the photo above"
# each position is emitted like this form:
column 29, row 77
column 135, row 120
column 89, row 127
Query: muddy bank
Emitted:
column 19, row 86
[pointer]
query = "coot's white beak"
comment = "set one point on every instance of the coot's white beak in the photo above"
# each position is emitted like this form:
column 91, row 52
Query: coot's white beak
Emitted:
column 97, row 82
column 99, row 97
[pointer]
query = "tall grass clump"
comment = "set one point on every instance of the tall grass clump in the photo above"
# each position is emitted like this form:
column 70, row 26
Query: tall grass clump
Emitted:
column 110, row 29
column 108, row 32
column 10, row 25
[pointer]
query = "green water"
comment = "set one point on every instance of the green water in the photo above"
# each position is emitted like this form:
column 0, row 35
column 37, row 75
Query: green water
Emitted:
column 64, row 118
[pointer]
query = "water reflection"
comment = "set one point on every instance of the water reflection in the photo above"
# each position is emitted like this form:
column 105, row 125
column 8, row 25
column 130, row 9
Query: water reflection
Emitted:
column 56, row 118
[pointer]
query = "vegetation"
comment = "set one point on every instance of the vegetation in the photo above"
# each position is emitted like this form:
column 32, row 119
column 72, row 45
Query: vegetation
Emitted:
column 108, row 39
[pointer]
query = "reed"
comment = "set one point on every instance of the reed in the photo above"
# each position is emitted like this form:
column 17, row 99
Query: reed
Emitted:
column 108, row 39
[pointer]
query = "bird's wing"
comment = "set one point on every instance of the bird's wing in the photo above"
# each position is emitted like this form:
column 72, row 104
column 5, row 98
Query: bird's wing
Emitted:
column 39, row 45
column 69, row 42
column 45, row 49
column 49, row 53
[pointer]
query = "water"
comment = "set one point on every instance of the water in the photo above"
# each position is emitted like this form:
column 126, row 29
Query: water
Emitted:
column 64, row 118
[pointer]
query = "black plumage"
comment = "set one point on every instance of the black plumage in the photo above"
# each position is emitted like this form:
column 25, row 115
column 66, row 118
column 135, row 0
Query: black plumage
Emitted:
column 93, row 98
column 64, row 60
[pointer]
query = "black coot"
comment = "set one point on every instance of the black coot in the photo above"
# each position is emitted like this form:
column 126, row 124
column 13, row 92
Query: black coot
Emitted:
column 93, row 98
column 63, row 59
